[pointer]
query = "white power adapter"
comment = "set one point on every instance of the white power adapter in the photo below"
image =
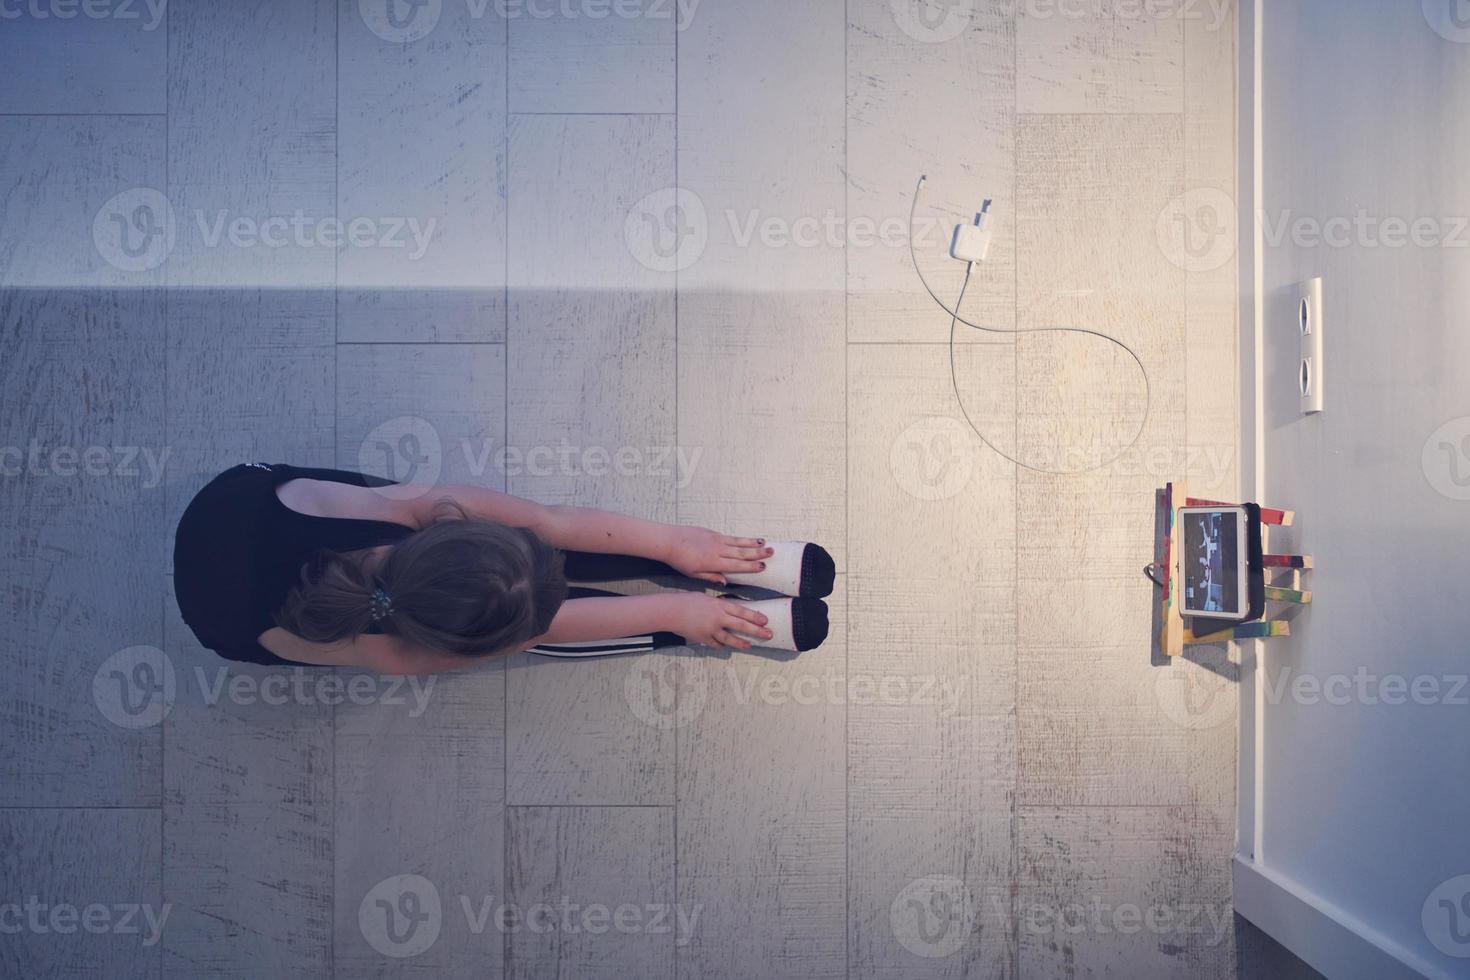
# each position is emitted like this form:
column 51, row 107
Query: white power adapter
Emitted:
column 972, row 242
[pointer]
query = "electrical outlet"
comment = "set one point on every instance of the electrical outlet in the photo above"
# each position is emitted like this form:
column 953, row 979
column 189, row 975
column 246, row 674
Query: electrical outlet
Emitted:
column 1309, row 326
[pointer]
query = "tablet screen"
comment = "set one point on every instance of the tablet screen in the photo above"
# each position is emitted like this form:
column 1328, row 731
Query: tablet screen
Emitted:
column 1211, row 562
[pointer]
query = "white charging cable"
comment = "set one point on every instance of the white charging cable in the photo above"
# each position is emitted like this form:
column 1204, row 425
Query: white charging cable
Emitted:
column 971, row 244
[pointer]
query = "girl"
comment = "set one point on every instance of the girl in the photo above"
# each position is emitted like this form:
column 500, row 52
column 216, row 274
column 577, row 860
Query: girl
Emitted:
column 287, row 565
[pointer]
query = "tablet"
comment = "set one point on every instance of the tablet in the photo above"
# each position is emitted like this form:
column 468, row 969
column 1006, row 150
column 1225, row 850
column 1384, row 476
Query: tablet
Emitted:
column 1215, row 562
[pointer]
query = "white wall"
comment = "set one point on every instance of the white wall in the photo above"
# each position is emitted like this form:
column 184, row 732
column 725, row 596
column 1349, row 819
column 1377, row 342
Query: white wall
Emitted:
column 1366, row 806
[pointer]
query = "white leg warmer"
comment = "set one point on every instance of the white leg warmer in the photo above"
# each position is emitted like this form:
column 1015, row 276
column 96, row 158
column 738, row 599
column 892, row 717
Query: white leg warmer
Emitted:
column 798, row 568
column 797, row 624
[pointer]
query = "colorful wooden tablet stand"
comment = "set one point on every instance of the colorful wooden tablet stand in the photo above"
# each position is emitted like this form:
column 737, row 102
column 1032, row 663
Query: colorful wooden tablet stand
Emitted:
column 1173, row 636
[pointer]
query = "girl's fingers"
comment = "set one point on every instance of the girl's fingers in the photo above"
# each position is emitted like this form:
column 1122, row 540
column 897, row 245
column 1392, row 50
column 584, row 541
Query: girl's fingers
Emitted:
column 743, row 542
column 725, row 638
column 746, row 613
column 742, row 627
column 749, row 554
column 712, row 577
column 739, row 565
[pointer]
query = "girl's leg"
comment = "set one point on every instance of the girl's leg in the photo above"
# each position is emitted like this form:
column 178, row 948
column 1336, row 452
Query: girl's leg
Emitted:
column 587, row 566
column 605, row 648
column 797, row 624
column 798, row 568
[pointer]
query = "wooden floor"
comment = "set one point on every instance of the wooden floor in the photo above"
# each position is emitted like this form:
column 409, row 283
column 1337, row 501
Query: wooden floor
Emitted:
column 659, row 267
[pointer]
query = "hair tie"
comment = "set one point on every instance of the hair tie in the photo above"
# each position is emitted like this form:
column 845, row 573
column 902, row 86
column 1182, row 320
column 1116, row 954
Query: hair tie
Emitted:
column 382, row 604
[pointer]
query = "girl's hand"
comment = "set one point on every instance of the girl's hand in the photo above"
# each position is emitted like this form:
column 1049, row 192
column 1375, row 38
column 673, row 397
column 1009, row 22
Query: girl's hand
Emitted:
column 704, row 554
column 711, row 622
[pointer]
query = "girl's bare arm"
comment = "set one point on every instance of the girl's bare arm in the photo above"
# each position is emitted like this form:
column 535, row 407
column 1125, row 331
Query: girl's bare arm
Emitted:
column 379, row 653
column 695, row 551
column 699, row 618
column 568, row 528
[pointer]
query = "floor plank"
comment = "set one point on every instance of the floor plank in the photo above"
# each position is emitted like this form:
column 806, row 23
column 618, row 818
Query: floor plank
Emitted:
column 422, row 414
column 1126, row 891
column 599, row 750
column 616, row 59
column 591, row 328
column 932, row 756
column 1212, row 425
column 591, row 422
column 945, row 109
column 83, row 459
column 595, row 888
column 421, row 139
column 768, row 877
column 420, row 791
column 238, row 190
column 68, row 60
column 251, row 890
column 87, row 894
column 1123, row 58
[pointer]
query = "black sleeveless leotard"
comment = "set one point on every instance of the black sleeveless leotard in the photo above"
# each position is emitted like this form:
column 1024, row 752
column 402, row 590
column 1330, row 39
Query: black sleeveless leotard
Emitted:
column 239, row 552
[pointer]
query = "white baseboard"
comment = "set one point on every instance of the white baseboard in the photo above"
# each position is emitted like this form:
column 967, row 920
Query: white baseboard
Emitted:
column 1327, row 938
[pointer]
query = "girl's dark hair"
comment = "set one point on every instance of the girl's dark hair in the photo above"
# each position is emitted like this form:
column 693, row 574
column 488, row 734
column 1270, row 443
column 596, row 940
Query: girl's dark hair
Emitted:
column 460, row 586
